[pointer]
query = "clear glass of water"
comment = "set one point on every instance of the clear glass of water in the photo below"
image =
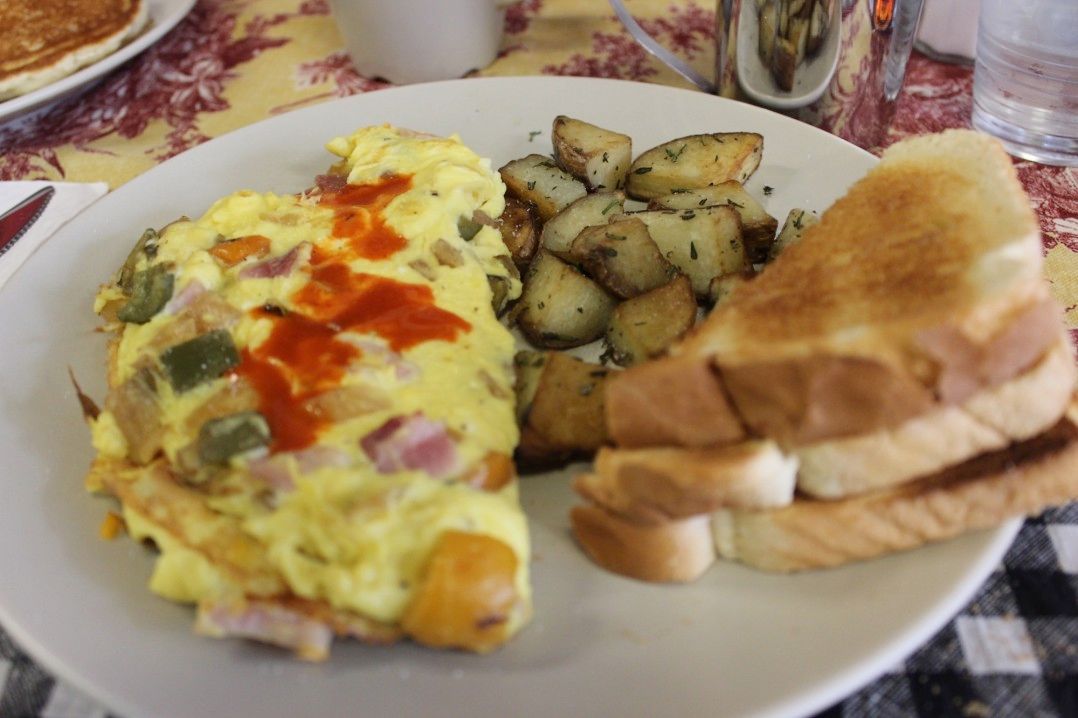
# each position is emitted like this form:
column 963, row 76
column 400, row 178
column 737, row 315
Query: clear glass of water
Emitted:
column 1025, row 81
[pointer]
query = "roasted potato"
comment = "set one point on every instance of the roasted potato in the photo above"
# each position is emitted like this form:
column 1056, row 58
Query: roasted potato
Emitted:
column 565, row 416
column 818, row 26
column 537, row 179
column 645, row 326
column 598, row 157
column 702, row 243
column 797, row 221
column 519, row 225
column 622, row 257
column 560, row 307
column 784, row 63
column 595, row 209
column 693, row 162
column 757, row 226
column 768, row 29
column 528, row 366
column 722, row 286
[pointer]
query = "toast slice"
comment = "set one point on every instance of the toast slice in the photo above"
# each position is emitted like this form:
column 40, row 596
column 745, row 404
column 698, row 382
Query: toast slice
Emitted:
column 659, row 485
column 923, row 285
column 990, row 420
column 1021, row 479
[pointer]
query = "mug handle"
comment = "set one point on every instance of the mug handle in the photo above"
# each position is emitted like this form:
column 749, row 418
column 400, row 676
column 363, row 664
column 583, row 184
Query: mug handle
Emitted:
column 664, row 56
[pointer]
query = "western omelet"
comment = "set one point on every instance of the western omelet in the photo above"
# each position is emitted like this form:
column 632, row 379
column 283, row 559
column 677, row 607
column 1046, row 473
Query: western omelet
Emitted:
column 310, row 408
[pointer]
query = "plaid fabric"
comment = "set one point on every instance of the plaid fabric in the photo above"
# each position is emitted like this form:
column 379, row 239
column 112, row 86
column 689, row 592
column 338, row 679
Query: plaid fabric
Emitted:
column 1013, row 651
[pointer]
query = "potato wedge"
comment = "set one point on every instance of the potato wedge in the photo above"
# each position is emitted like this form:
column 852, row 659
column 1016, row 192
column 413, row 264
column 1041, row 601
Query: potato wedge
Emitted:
column 798, row 34
column 703, row 243
column 695, row 161
column 757, row 226
column 769, row 18
column 594, row 209
column 622, row 257
column 565, row 417
column 645, row 326
column 537, row 179
column 784, row 63
column 797, row 221
column 560, row 307
column 598, row 157
column 520, row 227
column 818, row 26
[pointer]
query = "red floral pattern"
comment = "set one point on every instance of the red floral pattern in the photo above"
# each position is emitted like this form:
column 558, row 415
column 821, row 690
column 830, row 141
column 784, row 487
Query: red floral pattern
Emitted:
column 176, row 80
column 184, row 77
column 336, row 67
column 689, row 31
column 518, row 16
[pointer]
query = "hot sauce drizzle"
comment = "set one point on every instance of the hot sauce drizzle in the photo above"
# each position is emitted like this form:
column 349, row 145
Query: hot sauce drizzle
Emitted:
column 303, row 355
column 358, row 216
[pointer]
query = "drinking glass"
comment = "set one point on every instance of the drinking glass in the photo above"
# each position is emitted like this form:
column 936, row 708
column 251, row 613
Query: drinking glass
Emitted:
column 1025, row 80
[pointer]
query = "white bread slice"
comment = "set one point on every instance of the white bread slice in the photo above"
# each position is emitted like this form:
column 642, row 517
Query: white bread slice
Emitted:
column 1022, row 479
column 675, row 551
column 922, row 285
column 659, row 485
column 991, row 419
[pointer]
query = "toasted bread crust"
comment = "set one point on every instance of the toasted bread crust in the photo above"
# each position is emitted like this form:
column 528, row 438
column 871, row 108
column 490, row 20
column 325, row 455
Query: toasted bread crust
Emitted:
column 675, row 401
column 675, row 551
column 1022, row 479
column 658, row 485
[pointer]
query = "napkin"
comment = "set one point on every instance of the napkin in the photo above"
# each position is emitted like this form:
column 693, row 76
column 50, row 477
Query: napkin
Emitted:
column 70, row 199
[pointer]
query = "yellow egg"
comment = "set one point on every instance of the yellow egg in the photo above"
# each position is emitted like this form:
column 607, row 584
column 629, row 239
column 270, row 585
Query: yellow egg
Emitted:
column 377, row 311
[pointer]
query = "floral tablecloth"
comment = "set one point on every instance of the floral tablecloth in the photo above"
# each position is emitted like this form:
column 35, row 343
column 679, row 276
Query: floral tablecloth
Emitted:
column 1012, row 651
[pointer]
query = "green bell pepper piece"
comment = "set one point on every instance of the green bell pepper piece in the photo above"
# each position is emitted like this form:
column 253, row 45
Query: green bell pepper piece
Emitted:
column 221, row 439
column 198, row 360
column 150, row 291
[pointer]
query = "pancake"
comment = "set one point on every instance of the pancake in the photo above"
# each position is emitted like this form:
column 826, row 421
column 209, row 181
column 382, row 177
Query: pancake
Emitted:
column 42, row 41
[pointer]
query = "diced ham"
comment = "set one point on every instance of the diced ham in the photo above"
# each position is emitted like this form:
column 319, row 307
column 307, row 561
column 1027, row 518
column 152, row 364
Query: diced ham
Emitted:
column 275, row 266
column 412, row 442
column 267, row 622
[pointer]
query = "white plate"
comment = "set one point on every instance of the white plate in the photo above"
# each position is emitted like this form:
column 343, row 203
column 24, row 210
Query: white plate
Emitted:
column 164, row 15
column 736, row 642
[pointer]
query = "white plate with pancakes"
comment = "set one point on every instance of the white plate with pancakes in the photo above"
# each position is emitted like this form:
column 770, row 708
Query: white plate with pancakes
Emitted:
column 736, row 642
column 163, row 15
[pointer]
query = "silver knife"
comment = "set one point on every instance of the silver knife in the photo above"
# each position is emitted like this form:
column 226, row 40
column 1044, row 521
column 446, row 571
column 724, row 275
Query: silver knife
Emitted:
column 17, row 221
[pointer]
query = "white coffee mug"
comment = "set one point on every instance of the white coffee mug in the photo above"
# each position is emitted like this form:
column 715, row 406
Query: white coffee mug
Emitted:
column 405, row 41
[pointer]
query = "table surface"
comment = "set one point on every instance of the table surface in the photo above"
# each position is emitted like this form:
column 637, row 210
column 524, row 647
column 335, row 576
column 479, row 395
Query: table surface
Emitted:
column 1012, row 651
